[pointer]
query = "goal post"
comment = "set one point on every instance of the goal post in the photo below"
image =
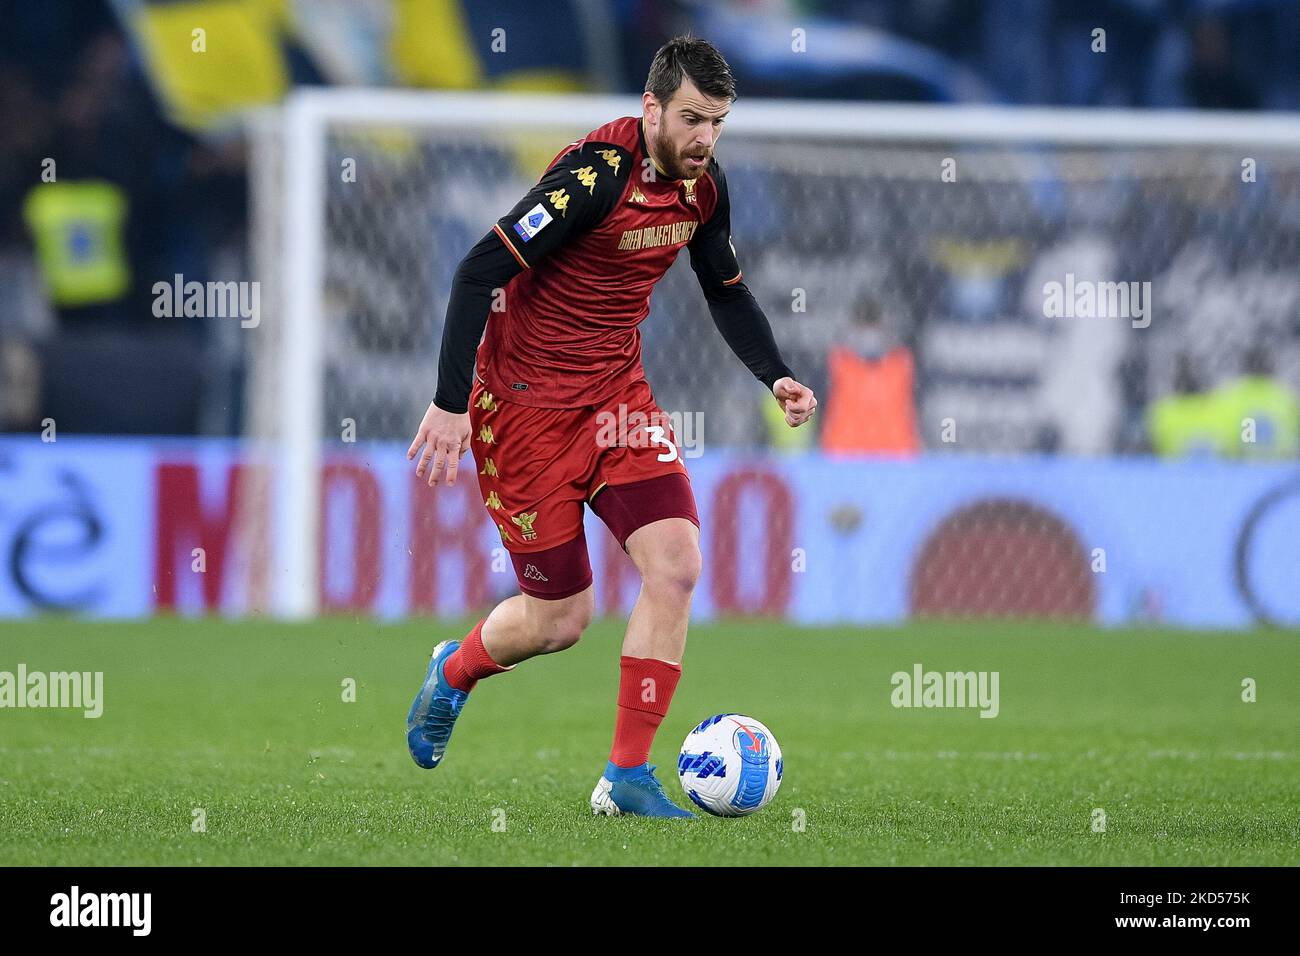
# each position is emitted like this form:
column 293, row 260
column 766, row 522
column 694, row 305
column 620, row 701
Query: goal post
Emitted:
column 364, row 200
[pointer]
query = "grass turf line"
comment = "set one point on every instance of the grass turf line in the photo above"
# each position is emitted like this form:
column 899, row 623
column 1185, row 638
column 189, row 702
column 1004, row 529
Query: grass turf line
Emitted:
column 246, row 721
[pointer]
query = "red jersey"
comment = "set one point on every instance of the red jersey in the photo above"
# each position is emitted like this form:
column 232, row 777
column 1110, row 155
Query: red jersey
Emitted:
column 594, row 235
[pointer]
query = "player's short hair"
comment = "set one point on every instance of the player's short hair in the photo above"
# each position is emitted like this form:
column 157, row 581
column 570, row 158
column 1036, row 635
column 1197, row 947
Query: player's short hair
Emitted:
column 688, row 56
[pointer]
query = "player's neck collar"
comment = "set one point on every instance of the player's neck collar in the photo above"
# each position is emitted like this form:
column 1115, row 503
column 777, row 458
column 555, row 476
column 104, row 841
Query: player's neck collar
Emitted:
column 645, row 148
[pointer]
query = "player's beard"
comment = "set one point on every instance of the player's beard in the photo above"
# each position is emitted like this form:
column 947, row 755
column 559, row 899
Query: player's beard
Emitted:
column 674, row 162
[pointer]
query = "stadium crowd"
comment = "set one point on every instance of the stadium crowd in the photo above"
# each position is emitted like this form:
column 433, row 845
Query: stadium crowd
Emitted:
column 122, row 169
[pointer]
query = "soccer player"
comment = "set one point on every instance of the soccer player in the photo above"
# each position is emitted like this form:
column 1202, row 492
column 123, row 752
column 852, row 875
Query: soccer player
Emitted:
column 561, row 283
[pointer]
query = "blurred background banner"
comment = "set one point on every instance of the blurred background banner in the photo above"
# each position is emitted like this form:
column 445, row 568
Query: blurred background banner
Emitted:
column 129, row 528
column 1038, row 259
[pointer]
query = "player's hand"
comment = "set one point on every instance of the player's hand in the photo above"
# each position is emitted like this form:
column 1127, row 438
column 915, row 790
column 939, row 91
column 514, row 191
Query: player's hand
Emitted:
column 797, row 401
column 445, row 437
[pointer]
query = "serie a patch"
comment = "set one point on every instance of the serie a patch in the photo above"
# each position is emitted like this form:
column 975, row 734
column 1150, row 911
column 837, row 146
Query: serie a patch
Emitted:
column 534, row 221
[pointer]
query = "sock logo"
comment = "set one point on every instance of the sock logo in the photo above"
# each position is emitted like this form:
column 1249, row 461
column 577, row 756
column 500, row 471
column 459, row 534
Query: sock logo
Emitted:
column 531, row 572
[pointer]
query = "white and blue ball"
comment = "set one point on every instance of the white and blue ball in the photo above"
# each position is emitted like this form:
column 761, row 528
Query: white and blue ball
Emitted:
column 730, row 765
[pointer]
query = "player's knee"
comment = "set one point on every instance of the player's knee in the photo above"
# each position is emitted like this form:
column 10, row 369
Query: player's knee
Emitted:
column 565, row 632
column 562, row 625
column 674, row 570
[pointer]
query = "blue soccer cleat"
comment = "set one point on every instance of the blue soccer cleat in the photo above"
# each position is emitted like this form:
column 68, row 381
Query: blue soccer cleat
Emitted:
column 634, row 791
column 434, row 712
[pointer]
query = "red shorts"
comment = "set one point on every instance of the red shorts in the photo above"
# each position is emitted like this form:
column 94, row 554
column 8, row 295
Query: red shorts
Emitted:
column 537, row 467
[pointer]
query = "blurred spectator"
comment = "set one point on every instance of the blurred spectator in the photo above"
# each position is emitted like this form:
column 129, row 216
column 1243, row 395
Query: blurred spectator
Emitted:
column 870, row 402
column 78, row 229
column 1212, row 82
column 1260, row 415
column 1254, row 416
column 1182, row 423
column 112, row 199
column 1186, row 422
column 20, row 386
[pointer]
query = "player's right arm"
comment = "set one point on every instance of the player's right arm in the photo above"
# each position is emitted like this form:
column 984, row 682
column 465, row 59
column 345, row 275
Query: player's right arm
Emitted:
column 567, row 201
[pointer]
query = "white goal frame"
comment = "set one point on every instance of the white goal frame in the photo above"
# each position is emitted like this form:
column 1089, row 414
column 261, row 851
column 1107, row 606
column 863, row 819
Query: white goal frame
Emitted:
column 302, row 126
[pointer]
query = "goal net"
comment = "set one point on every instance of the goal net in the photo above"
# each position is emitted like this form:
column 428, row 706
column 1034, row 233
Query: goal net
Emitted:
column 974, row 240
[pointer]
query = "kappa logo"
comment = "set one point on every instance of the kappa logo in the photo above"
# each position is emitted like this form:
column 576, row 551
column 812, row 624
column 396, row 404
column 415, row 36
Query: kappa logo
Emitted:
column 531, row 572
column 560, row 200
column 587, row 176
column 610, row 156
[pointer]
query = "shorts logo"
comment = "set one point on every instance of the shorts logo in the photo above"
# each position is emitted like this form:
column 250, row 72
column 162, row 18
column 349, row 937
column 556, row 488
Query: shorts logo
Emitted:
column 525, row 522
column 487, row 402
column 533, row 222
column 531, row 572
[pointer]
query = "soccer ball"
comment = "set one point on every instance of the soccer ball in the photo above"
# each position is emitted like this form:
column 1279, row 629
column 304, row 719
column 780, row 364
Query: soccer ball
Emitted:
column 730, row 765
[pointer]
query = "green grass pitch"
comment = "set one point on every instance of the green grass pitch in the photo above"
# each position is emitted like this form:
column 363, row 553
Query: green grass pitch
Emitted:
column 246, row 721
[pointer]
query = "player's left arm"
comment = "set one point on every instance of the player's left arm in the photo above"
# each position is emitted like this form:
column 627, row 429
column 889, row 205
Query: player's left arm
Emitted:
column 737, row 314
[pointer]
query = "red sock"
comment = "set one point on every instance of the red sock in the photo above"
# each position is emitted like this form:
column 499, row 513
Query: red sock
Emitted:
column 471, row 662
column 644, row 691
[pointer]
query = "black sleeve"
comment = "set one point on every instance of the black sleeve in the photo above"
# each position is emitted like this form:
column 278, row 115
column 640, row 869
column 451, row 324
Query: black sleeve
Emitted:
column 735, row 312
column 579, row 190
